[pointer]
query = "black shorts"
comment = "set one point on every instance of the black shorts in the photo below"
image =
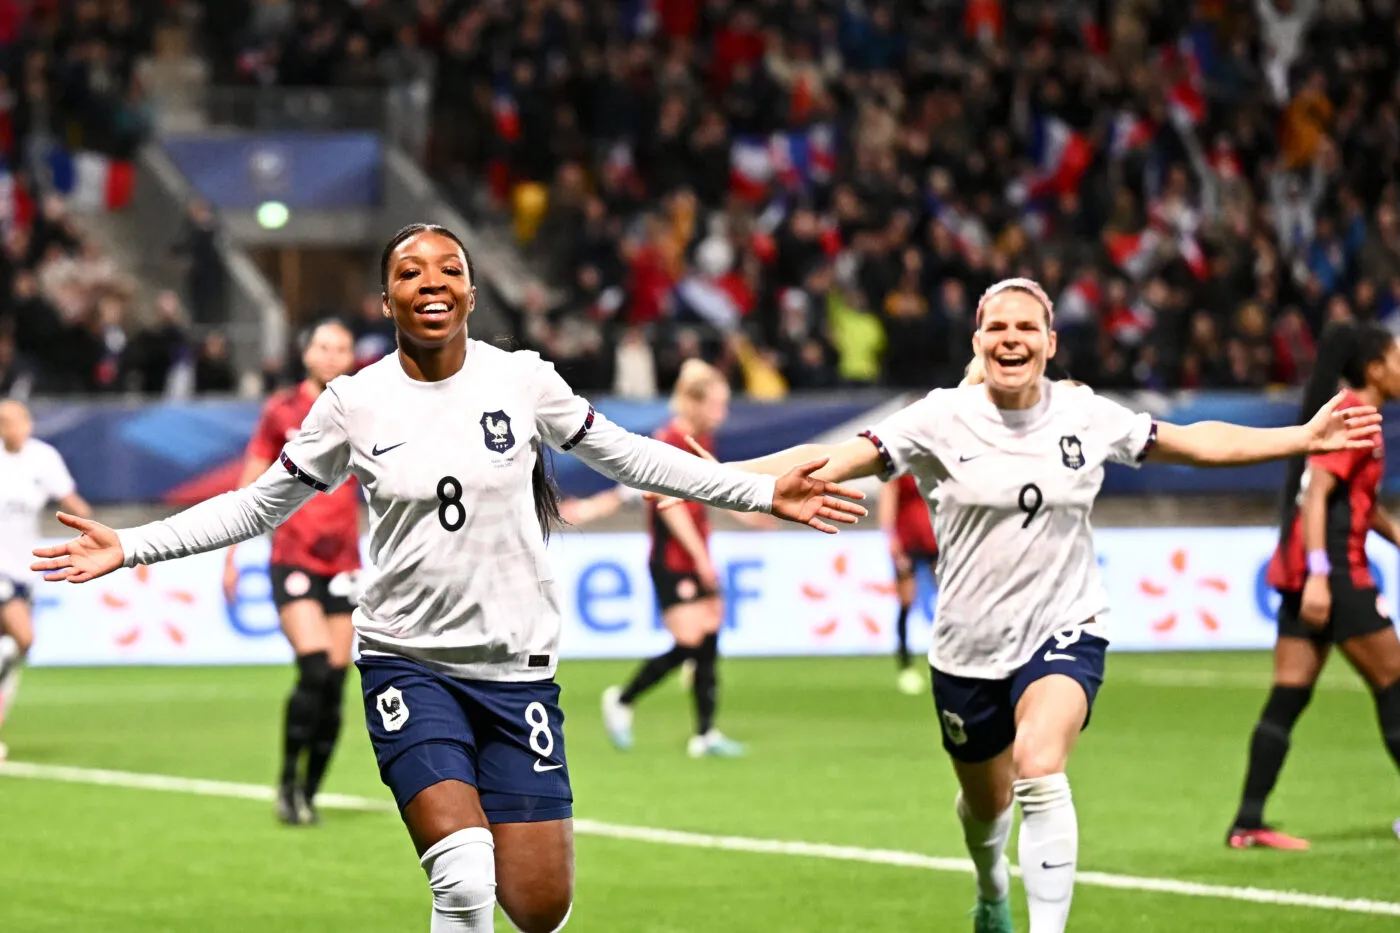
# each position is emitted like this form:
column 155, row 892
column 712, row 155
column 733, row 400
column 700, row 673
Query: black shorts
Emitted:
column 290, row 584
column 676, row 588
column 916, row 558
column 1355, row 611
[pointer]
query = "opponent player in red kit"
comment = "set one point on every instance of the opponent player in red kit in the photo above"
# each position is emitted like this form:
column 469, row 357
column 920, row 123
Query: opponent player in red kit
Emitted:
column 1328, row 595
column 315, row 555
column 904, row 518
column 682, row 572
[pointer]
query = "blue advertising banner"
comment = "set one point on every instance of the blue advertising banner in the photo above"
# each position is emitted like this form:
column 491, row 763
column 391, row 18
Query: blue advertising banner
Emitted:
column 310, row 171
column 183, row 451
column 787, row 593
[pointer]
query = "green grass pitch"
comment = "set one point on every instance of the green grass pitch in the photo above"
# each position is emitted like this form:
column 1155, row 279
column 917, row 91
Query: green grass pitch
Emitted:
column 836, row 756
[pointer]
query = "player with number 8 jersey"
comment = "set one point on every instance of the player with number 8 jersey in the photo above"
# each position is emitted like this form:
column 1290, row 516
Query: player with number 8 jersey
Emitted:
column 459, row 618
column 1011, row 467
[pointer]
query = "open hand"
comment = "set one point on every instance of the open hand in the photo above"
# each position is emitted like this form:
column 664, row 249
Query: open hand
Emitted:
column 801, row 498
column 94, row 553
column 1345, row 429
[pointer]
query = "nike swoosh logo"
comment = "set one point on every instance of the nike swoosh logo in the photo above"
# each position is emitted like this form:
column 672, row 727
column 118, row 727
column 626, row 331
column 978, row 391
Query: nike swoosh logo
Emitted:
column 1048, row 867
column 542, row 767
column 385, row 450
column 964, row 458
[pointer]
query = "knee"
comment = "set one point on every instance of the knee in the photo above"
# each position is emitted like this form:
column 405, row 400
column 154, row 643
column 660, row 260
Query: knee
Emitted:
column 461, row 871
column 1038, row 794
column 985, row 805
column 1285, row 705
column 1037, row 756
column 24, row 640
column 545, row 916
column 315, row 672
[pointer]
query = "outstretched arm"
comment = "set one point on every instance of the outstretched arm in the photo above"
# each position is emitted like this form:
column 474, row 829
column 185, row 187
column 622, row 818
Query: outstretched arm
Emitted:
column 1217, row 443
column 650, row 465
column 568, row 423
column 315, row 460
column 214, row 523
column 848, row 460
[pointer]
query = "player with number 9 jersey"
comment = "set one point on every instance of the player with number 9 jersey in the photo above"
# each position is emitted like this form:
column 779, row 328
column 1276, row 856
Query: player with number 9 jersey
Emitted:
column 1011, row 468
column 459, row 621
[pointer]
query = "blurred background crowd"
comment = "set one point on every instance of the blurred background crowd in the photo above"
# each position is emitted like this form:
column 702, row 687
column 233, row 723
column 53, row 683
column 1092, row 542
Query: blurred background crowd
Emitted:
column 810, row 193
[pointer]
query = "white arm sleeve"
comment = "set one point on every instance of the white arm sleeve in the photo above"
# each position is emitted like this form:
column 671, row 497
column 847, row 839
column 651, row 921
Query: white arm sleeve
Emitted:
column 1130, row 434
column 908, row 435
column 568, row 423
column 220, row 521
column 316, row 460
column 648, row 464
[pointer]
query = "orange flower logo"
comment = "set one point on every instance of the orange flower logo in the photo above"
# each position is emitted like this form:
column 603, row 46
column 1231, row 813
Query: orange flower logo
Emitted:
column 1179, row 578
column 149, row 605
column 840, row 577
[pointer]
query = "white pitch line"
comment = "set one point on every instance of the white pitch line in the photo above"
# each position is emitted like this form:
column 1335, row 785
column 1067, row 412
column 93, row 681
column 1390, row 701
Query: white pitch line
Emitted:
column 1241, row 680
column 208, row 788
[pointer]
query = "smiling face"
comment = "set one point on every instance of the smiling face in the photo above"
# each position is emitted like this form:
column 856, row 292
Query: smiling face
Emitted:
column 429, row 292
column 1014, row 341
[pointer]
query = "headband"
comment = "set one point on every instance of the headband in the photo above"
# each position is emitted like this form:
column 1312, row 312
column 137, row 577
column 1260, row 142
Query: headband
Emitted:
column 1028, row 286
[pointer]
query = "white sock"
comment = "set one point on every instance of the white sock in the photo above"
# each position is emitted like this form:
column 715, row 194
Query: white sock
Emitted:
column 462, row 873
column 1049, row 848
column 986, row 843
column 9, row 649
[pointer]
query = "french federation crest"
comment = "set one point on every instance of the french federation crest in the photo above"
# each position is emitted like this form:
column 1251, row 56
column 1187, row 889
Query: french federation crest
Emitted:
column 496, row 426
column 953, row 727
column 392, row 709
column 1071, row 452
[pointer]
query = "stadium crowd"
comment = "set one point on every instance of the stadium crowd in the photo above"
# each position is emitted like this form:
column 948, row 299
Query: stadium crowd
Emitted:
column 68, row 81
column 813, row 193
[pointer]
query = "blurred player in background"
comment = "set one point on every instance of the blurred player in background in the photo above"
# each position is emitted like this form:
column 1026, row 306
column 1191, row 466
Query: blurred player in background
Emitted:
column 1012, row 468
column 904, row 518
column 459, row 631
column 32, row 474
column 683, row 573
column 315, row 554
column 1328, row 596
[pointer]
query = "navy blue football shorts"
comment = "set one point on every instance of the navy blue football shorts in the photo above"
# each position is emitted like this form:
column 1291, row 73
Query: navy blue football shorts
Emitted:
column 504, row 739
column 979, row 716
column 11, row 588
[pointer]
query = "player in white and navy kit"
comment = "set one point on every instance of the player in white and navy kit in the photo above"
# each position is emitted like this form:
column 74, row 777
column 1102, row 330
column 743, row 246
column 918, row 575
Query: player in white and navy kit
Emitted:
column 32, row 474
column 1011, row 468
column 459, row 619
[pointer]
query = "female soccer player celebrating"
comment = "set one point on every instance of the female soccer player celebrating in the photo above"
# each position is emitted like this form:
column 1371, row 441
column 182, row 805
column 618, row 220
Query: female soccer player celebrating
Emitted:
column 31, row 475
column 459, row 626
column 682, row 573
column 1012, row 467
column 1330, row 504
column 314, row 556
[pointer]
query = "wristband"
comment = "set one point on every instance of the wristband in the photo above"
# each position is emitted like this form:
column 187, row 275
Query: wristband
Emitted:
column 1318, row 564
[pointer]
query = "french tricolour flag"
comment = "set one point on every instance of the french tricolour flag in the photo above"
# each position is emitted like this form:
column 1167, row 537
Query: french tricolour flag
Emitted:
column 1129, row 132
column 751, row 168
column 506, row 115
column 1133, row 252
column 1061, row 155
column 1186, row 99
column 90, row 181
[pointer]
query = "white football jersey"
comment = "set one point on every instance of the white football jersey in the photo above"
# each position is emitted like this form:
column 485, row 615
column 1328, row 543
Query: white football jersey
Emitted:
column 29, row 480
column 460, row 579
column 1011, row 493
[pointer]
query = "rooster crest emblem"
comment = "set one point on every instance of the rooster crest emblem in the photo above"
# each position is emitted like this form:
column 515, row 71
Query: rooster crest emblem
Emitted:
column 496, row 427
